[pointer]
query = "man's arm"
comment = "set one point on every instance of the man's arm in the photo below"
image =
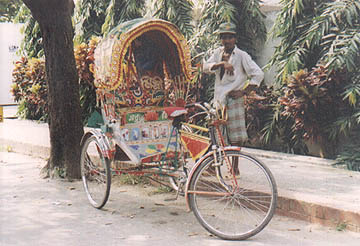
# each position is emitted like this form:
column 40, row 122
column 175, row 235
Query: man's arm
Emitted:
column 212, row 64
column 252, row 70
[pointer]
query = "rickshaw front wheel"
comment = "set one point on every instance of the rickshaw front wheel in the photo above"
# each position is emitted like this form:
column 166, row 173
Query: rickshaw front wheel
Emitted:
column 237, row 201
column 95, row 172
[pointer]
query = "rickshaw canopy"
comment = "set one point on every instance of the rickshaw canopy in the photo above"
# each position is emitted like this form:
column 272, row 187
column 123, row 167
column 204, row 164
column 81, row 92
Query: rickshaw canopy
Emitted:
column 112, row 55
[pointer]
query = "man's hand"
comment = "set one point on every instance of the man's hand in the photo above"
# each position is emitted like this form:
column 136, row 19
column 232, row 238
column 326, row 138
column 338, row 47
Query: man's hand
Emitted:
column 229, row 69
column 236, row 94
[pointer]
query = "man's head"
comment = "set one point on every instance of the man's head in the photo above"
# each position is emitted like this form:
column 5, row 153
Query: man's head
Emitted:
column 227, row 32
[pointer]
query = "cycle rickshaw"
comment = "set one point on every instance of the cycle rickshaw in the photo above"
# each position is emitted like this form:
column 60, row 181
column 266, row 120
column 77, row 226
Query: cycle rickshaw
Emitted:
column 143, row 77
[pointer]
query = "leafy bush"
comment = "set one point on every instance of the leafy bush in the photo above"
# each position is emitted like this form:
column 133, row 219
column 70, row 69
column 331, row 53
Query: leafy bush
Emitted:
column 29, row 86
column 349, row 157
column 84, row 57
column 313, row 101
column 257, row 107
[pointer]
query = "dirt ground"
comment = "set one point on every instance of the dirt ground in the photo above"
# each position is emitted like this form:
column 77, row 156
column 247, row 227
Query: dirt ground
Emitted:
column 35, row 211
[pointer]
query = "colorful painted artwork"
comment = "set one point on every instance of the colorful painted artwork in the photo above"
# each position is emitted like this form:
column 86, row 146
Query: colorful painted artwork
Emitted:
column 195, row 144
column 145, row 133
column 152, row 151
column 148, row 140
column 156, row 132
column 164, row 131
column 133, row 118
column 125, row 134
column 135, row 134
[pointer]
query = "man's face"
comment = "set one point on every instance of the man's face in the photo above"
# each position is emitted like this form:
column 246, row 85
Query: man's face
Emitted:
column 228, row 40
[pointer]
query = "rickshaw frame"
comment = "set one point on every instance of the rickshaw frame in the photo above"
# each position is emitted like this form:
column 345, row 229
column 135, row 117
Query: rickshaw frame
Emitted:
column 138, row 134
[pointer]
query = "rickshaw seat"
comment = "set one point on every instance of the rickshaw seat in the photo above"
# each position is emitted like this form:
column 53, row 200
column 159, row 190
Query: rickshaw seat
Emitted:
column 173, row 112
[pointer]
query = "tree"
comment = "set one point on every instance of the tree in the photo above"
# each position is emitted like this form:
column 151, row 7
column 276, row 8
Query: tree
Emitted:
column 65, row 125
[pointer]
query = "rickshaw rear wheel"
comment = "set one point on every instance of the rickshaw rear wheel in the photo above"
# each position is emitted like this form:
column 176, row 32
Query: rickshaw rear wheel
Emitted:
column 95, row 172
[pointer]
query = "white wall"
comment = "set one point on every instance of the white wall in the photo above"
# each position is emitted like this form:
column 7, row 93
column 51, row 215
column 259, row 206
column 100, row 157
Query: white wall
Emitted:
column 267, row 51
column 10, row 39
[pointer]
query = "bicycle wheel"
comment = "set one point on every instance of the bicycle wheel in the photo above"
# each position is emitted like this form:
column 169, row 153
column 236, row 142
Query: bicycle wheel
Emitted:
column 95, row 172
column 238, row 203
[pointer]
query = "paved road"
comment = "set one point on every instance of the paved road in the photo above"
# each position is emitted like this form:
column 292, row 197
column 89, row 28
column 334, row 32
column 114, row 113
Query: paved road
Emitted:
column 35, row 211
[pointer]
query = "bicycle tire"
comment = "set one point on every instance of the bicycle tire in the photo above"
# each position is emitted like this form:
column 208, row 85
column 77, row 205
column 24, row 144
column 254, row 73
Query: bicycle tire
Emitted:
column 243, row 213
column 95, row 172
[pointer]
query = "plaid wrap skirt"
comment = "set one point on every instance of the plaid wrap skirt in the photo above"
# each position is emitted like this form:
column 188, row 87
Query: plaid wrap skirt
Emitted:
column 236, row 124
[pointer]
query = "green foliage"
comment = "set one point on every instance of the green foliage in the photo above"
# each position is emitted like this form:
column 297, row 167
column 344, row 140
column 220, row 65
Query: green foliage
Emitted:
column 84, row 57
column 251, row 29
column 162, row 189
column 340, row 43
column 31, row 45
column 313, row 101
column 350, row 158
column 177, row 12
column 314, row 32
column 294, row 51
column 348, row 126
column 29, row 88
column 321, row 37
column 89, row 17
column 121, row 10
column 8, row 9
column 130, row 179
column 259, row 109
column 341, row 226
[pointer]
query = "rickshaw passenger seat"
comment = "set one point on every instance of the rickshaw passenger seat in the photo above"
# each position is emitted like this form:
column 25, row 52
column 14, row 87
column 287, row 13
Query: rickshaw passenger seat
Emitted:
column 173, row 112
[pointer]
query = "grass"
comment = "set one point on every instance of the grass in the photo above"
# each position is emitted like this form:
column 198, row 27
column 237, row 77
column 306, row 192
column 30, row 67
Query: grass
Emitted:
column 341, row 226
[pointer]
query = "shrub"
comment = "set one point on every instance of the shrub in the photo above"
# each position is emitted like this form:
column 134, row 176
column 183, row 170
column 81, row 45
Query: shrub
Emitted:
column 29, row 86
column 84, row 57
column 313, row 101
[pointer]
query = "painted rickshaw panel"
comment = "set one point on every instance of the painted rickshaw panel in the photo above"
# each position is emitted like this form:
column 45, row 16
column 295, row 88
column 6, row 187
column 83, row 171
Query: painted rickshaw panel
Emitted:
column 132, row 103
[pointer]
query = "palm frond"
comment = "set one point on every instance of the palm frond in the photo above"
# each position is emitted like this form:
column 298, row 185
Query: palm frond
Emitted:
column 119, row 11
column 31, row 44
column 89, row 17
column 178, row 12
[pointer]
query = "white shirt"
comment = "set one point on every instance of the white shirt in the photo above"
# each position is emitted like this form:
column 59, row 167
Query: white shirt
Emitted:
column 244, row 68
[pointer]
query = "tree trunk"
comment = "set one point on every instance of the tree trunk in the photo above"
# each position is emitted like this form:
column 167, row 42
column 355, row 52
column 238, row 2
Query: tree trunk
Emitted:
column 66, row 130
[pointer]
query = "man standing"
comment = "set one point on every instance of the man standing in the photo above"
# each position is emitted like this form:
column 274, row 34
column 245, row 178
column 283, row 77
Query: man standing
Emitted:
column 236, row 75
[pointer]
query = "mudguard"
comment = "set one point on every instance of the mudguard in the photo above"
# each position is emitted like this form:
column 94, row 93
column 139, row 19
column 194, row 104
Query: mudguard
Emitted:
column 104, row 142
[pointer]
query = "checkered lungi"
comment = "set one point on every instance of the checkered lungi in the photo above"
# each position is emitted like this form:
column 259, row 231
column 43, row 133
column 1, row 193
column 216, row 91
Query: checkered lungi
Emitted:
column 236, row 124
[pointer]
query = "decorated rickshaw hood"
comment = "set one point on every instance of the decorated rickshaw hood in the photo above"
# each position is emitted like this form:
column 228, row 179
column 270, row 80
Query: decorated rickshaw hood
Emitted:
column 111, row 51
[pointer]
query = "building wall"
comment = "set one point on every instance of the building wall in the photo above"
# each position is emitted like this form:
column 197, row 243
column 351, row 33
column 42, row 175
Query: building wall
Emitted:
column 10, row 39
column 270, row 8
